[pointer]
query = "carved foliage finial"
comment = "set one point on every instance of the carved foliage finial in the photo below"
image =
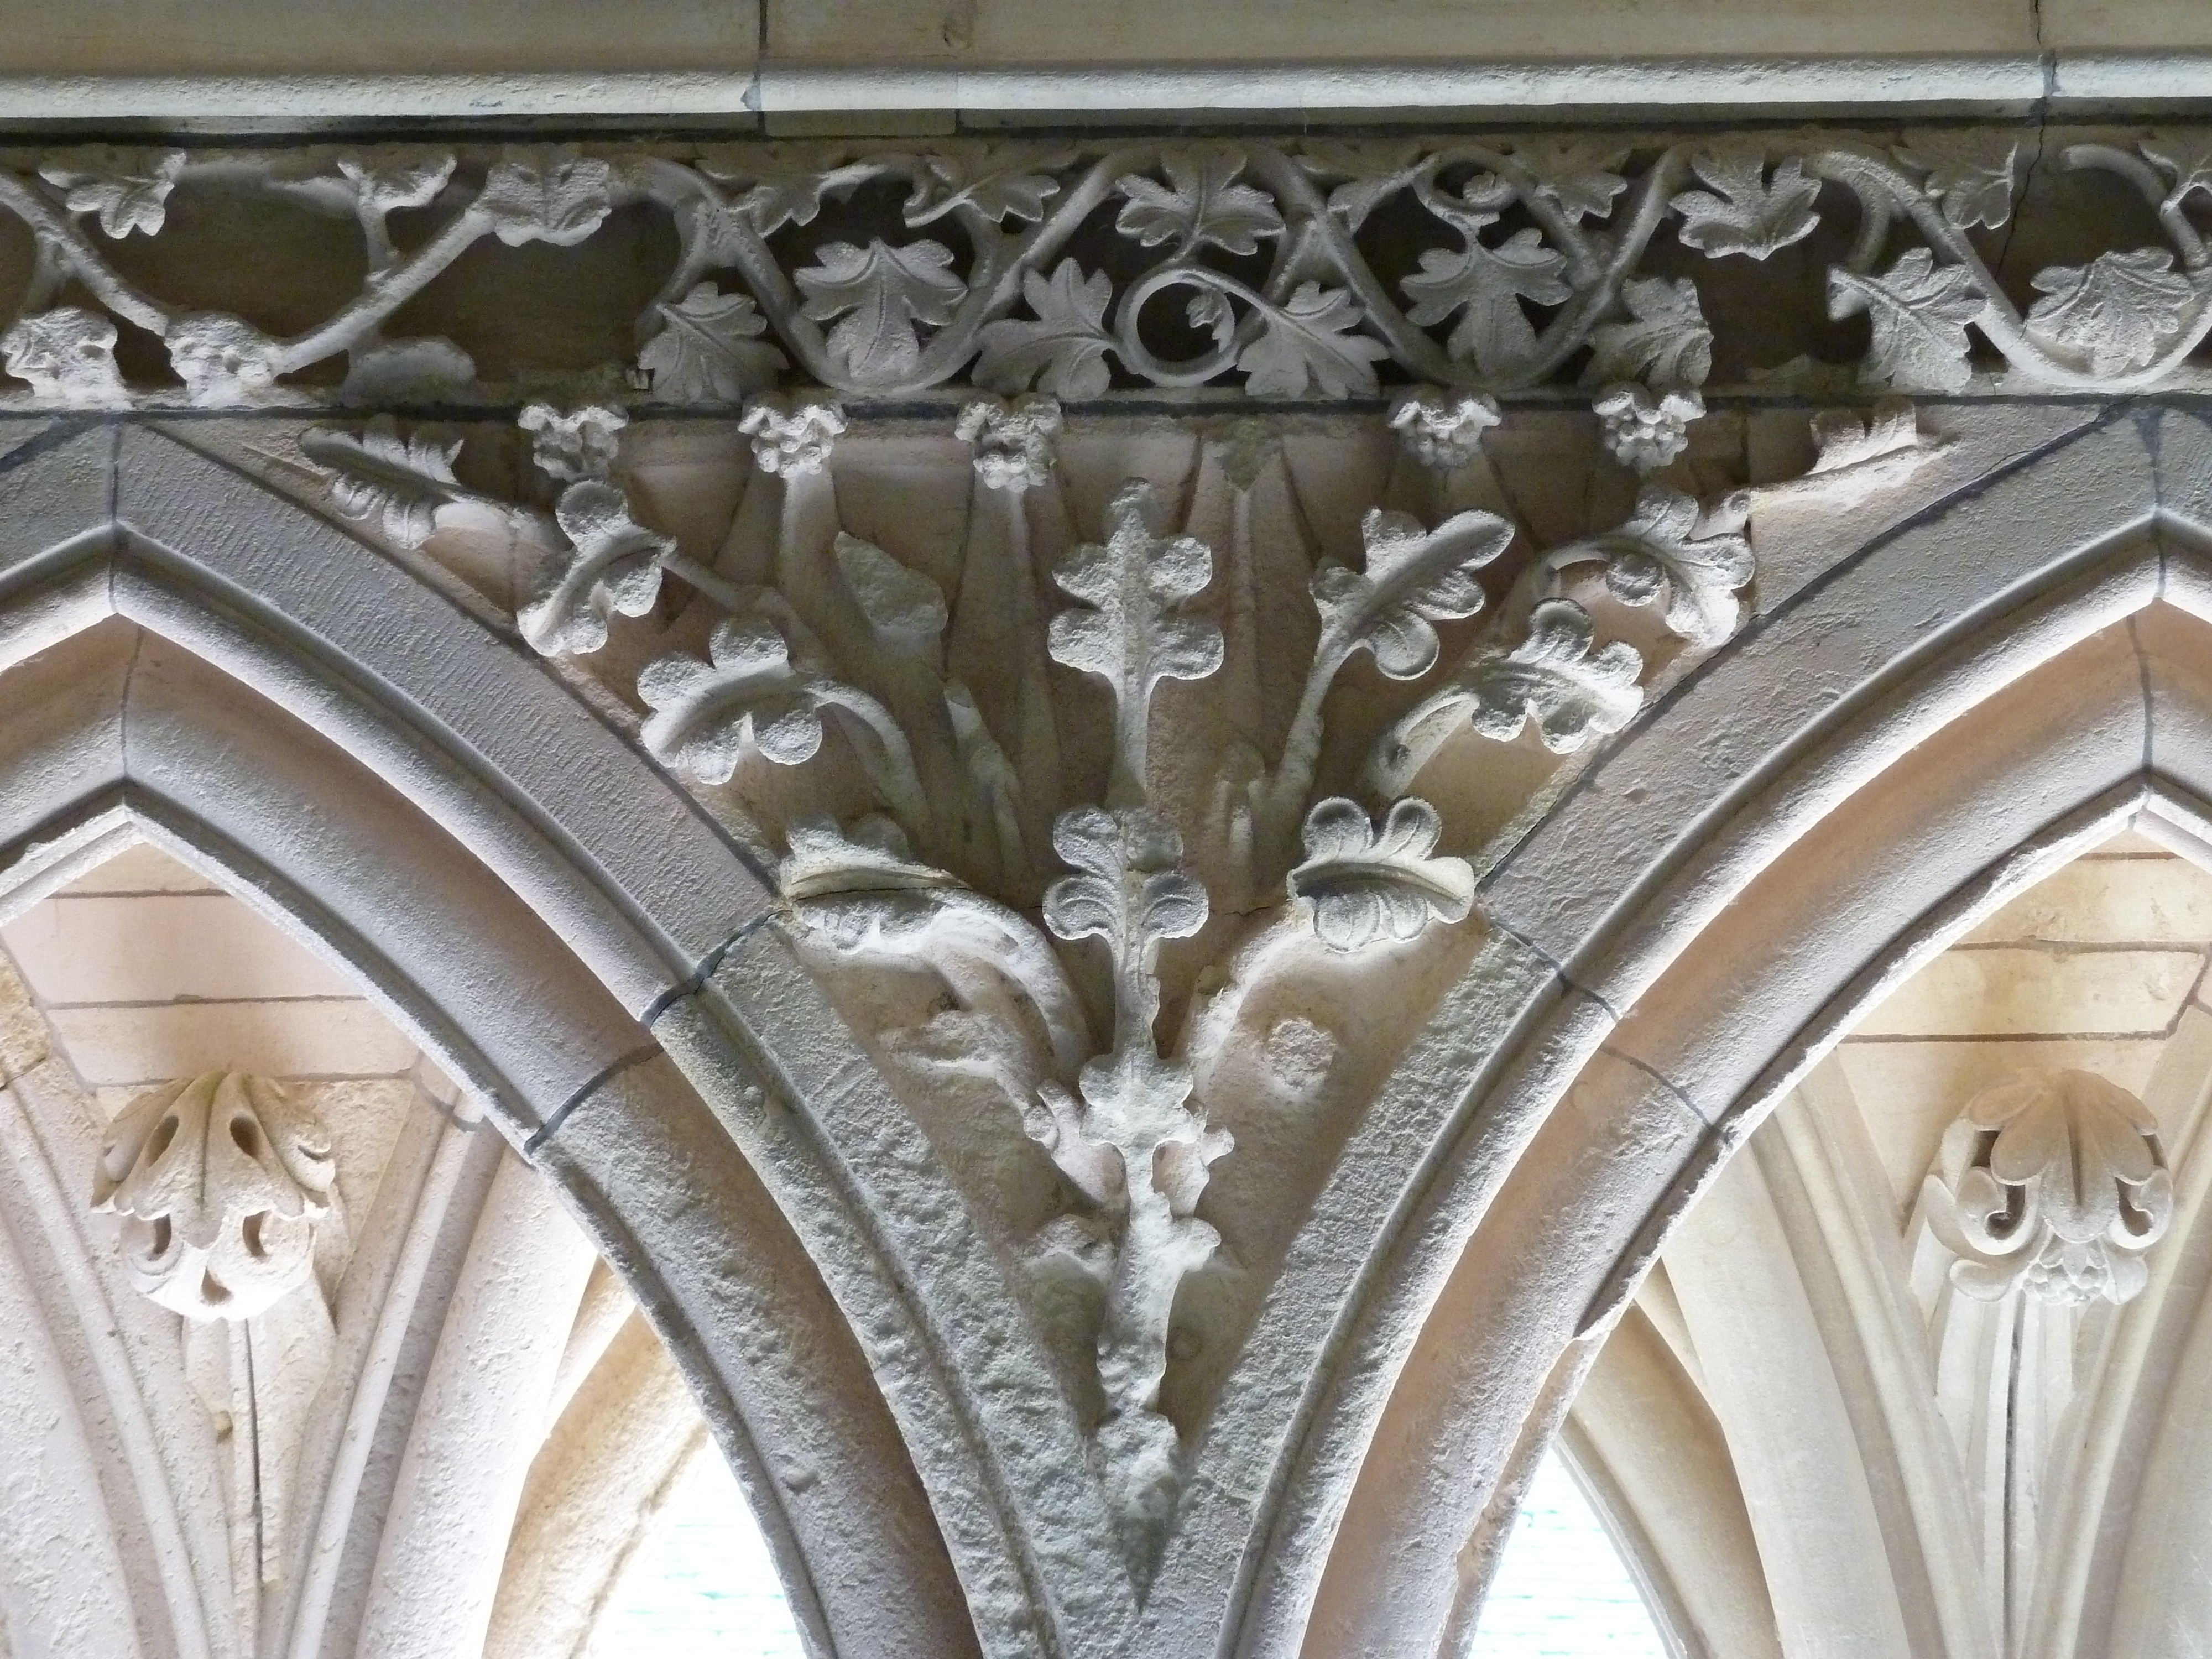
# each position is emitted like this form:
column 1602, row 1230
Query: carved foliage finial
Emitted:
column 791, row 440
column 221, row 1180
column 1442, row 428
column 2054, row 1187
column 1013, row 440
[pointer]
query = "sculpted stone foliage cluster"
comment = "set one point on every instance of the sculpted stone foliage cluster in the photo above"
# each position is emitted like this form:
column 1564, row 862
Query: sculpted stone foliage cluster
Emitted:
column 1293, row 268
column 948, row 864
column 2056, row 1188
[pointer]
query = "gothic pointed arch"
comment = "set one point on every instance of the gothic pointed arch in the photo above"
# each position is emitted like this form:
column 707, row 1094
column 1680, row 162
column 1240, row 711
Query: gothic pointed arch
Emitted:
column 173, row 694
column 2016, row 671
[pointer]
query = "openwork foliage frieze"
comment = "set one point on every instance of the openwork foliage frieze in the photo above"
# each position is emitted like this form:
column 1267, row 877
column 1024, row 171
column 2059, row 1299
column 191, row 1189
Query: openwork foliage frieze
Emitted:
column 1638, row 269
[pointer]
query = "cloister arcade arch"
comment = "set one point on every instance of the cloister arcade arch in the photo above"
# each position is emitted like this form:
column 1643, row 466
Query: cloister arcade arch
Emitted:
column 935, row 878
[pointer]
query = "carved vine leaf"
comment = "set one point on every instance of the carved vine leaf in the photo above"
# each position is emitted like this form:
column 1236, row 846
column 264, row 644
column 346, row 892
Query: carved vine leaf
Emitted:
column 1486, row 285
column 779, row 185
column 1580, row 174
column 1969, row 174
column 1666, row 552
column 1310, row 344
column 1666, row 342
column 383, row 475
column 1128, row 890
column 1554, row 677
column 1920, row 311
column 375, row 181
column 127, row 190
column 548, row 194
column 2117, row 312
column 1366, row 883
column 1201, row 203
column 995, row 182
column 68, row 355
column 612, row 565
column 1414, row 578
column 1064, row 351
column 709, row 349
column 704, row 713
column 881, row 293
column 1748, row 211
column 1371, row 174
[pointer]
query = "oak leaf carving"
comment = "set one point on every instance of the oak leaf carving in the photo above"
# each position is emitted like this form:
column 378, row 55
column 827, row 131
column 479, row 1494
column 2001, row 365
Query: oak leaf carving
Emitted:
column 746, row 690
column 383, row 474
column 1572, row 689
column 1414, row 578
column 1666, row 553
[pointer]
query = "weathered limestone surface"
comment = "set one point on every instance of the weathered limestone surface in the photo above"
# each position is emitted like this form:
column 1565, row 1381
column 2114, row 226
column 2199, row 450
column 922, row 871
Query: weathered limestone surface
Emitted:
column 1139, row 828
